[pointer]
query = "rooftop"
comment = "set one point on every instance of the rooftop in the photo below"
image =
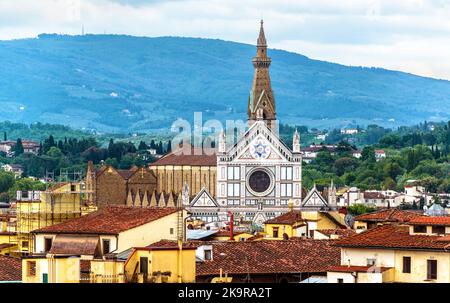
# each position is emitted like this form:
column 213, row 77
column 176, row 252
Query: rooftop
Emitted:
column 340, row 232
column 109, row 220
column 10, row 269
column 291, row 217
column 194, row 157
column 394, row 237
column 172, row 244
column 270, row 257
column 425, row 220
column 389, row 215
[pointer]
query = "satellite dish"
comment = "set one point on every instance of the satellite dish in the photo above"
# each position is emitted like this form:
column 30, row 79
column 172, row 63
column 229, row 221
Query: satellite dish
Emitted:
column 349, row 220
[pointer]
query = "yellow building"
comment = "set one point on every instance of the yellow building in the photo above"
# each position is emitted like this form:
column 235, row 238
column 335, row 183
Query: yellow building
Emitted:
column 38, row 209
column 296, row 223
column 162, row 262
column 286, row 226
column 416, row 252
column 50, row 269
column 95, row 238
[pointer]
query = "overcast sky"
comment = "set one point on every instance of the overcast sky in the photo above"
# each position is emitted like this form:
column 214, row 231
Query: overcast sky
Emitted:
column 406, row 35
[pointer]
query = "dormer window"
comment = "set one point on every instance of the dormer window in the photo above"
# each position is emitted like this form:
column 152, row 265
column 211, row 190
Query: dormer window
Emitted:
column 420, row 229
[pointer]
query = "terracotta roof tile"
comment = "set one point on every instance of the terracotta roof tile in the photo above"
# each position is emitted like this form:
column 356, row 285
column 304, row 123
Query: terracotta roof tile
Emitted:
column 389, row 215
column 10, row 269
column 394, row 237
column 171, row 244
column 196, row 157
column 109, row 220
column 425, row 220
column 340, row 232
column 291, row 217
column 269, row 257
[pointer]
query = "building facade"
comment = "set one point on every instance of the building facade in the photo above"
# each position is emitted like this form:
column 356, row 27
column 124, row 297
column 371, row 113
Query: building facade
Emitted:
column 259, row 174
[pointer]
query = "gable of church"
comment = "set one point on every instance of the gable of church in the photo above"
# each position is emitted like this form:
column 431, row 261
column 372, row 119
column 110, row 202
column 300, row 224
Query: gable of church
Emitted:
column 204, row 199
column 260, row 144
column 314, row 199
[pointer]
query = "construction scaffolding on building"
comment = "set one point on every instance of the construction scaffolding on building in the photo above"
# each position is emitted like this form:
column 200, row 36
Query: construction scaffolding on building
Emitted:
column 64, row 198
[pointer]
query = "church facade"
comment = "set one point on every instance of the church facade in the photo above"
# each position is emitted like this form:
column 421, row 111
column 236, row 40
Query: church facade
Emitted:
column 259, row 176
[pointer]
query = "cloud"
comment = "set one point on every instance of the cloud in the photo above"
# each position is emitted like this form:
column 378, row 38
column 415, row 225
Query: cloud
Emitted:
column 409, row 35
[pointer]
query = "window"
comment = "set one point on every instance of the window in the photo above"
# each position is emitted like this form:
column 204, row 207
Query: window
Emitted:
column 234, row 173
column 31, row 268
column 420, row 229
column 340, row 280
column 73, row 187
column 234, row 190
column 106, row 246
column 171, row 231
column 286, row 190
column 371, row 262
column 431, row 269
column 406, row 265
column 143, row 265
column 208, row 254
column 25, row 244
column 47, row 244
column 275, row 232
column 233, row 202
column 438, row 229
column 286, row 173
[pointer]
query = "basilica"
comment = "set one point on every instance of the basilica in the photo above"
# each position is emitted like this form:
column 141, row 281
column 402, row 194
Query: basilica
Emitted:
column 255, row 178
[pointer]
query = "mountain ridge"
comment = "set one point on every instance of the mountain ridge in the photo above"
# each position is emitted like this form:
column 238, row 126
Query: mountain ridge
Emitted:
column 122, row 83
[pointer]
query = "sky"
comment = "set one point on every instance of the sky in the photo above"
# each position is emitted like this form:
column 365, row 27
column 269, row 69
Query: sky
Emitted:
column 406, row 35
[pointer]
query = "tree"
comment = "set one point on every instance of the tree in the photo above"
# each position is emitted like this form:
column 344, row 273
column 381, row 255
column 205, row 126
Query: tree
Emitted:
column 54, row 152
column 368, row 154
column 359, row 209
column 345, row 164
column 5, row 137
column 18, row 148
column 142, row 146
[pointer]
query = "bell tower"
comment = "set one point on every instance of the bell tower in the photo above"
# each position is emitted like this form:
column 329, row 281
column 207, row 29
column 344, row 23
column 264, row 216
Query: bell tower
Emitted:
column 261, row 99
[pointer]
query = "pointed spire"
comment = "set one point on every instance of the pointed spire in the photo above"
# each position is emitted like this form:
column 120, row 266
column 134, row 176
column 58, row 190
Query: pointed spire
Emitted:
column 261, row 99
column 296, row 142
column 262, row 37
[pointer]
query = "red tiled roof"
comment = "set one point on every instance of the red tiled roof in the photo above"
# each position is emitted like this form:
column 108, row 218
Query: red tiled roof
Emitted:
column 10, row 269
column 340, row 232
column 270, row 257
column 425, row 220
column 109, row 220
column 291, row 217
column 394, row 237
column 388, row 215
column 194, row 157
column 171, row 244
column 345, row 268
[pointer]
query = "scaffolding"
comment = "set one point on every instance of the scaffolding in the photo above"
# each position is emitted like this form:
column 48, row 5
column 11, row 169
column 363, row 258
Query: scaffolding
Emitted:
column 64, row 198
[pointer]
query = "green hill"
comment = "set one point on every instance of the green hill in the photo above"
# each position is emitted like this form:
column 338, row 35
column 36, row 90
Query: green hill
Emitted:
column 115, row 83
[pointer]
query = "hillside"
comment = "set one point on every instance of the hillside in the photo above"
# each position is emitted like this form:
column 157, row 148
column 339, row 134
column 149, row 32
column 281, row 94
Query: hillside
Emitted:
column 115, row 83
